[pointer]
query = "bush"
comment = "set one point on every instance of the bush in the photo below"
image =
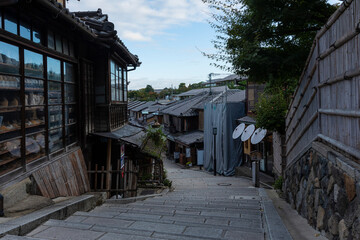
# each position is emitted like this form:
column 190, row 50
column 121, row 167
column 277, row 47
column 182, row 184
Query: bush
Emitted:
column 167, row 183
column 278, row 183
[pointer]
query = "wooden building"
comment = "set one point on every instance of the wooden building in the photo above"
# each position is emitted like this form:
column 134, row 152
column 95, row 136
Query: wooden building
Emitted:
column 63, row 78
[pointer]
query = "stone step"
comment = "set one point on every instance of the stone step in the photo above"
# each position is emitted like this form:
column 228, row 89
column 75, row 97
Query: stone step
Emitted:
column 99, row 218
column 13, row 237
column 170, row 209
column 137, row 230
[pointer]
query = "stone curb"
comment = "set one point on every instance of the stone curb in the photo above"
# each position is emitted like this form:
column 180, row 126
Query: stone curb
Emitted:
column 135, row 199
column 25, row 224
column 275, row 226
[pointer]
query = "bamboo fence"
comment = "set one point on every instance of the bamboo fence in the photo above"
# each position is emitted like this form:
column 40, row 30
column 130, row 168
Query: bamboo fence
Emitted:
column 326, row 105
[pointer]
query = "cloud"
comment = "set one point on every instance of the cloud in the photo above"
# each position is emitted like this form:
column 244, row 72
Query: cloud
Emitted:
column 141, row 20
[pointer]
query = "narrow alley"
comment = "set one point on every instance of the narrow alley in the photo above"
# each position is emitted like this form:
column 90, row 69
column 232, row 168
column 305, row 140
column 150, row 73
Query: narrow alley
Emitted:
column 200, row 207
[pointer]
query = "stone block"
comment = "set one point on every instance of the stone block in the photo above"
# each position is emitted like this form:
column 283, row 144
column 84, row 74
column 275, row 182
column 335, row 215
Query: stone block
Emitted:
column 336, row 193
column 333, row 224
column 330, row 185
column 317, row 183
column 350, row 187
column 343, row 230
column 356, row 229
column 320, row 218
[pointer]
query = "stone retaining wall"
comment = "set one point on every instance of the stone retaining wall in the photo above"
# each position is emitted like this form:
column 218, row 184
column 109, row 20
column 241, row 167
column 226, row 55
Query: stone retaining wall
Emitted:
column 323, row 186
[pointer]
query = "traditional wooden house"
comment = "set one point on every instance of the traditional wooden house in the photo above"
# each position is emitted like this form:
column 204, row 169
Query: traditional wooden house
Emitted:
column 63, row 80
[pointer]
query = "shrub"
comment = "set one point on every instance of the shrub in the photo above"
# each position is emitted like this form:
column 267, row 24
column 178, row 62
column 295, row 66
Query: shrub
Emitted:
column 278, row 183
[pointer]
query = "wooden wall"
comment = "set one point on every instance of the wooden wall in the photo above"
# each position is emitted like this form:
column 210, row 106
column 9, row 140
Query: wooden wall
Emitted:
column 326, row 104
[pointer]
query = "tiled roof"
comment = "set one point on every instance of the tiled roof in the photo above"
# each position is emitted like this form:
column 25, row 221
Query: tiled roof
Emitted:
column 194, row 92
column 228, row 78
column 184, row 107
column 190, row 138
column 142, row 106
column 232, row 95
column 94, row 24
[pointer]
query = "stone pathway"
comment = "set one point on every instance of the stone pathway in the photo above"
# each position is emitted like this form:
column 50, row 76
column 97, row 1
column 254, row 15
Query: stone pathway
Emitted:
column 201, row 207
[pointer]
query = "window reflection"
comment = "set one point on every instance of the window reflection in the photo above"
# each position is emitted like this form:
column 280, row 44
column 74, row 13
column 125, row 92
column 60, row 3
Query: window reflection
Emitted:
column 9, row 58
column 36, row 35
column 53, row 69
column 54, row 91
column 58, row 43
column 34, row 119
column 35, row 147
column 51, row 41
column 55, row 117
column 69, row 72
column 55, row 140
column 70, row 114
column 10, row 23
column 70, row 96
column 25, row 30
column 33, row 64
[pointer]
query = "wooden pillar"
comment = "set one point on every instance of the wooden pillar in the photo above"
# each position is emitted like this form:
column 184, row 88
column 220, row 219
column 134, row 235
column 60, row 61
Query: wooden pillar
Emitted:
column 108, row 168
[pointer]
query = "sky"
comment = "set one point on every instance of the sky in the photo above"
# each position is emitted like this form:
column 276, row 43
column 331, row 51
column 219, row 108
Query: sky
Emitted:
column 167, row 35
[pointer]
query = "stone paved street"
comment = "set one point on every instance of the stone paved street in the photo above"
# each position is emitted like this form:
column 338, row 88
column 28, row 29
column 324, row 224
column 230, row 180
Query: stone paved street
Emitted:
column 201, row 207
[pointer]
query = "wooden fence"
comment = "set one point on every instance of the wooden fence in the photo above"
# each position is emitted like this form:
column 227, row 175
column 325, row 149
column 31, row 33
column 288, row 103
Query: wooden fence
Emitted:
column 326, row 105
column 121, row 181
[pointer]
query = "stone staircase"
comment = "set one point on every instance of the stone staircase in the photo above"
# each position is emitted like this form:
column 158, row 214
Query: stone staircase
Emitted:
column 178, row 215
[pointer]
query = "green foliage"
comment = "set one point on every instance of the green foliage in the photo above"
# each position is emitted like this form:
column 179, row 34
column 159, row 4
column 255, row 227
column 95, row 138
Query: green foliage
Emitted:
column 241, row 86
column 268, row 41
column 271, row 111
column 146, row 177
column 278, row 183
column 156, row 135
column 167, row 183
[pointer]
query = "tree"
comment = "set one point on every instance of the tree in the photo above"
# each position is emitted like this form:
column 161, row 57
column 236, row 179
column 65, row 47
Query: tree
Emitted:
column 149, row 89
column 182, row 87
column 267, row 40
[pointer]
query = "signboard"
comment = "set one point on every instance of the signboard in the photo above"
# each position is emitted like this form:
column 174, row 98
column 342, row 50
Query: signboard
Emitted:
column 188, row 152
column 176, row 155
column 122, row 156
column 200, row 157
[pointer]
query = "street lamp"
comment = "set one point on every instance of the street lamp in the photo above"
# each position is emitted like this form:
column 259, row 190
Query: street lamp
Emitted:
column 214, row 133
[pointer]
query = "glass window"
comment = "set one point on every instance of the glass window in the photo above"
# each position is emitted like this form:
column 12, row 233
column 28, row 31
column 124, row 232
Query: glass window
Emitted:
column 10, row 23
column 35, row 147
column 58, row 43
column 33, row 64
column 71, row 49
column 36, row 35
column 51, row 41
column 125, row 86
column 70, row 134
column 70, row 94
column 54, row 92
column 55, row 140
column 34, row 92
column 70, row 114
column 9, row 58
column 53, row 69
column 10, row 125
column 69, row 72
column 25, row 30
column 34, row 119
column 55, row 116
column 65, row 46
column 10, row 155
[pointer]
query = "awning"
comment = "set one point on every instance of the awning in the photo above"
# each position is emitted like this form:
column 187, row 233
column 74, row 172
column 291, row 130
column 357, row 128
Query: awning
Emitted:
column 125, row 131
column 246, row 120
column 190, row 138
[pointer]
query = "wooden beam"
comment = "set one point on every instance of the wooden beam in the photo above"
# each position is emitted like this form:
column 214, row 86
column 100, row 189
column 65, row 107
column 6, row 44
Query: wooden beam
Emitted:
column 108, row 167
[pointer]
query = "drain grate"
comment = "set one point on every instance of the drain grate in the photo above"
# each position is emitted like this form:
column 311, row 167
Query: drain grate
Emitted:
column 224, row 184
